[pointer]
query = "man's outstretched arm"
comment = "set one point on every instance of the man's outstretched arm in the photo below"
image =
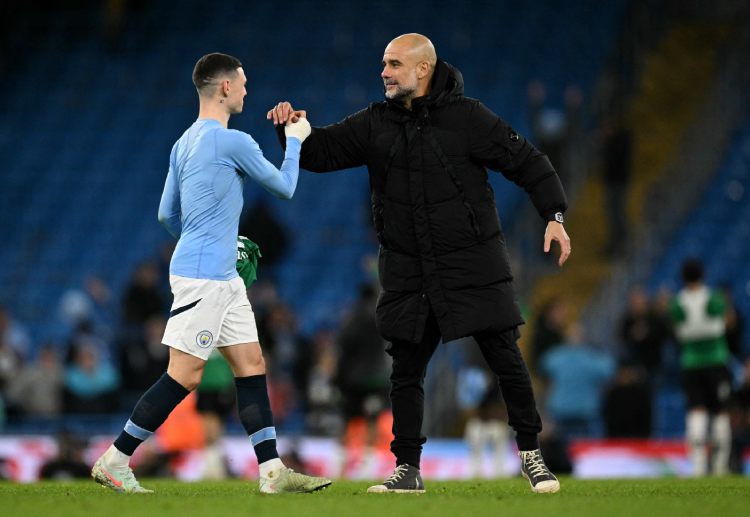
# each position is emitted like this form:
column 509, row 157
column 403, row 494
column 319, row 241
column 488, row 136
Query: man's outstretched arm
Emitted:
column 331, row 148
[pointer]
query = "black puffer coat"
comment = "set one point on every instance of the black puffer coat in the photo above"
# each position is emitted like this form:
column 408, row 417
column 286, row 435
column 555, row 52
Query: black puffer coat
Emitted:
column 433, row 208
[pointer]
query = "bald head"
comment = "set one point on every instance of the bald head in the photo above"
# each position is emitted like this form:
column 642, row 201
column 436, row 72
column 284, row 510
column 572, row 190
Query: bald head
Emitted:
column 418, row 46
column 408, row 64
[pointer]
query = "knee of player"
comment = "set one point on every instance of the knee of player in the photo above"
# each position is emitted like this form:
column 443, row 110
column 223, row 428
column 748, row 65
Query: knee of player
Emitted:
column 188, row 379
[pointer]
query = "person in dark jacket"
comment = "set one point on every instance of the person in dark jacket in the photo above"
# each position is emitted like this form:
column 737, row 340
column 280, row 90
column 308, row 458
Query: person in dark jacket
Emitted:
column 443, row 264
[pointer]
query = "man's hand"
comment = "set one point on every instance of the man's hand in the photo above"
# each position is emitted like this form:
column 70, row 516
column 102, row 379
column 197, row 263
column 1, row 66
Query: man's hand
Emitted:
column 556, row 232
column 283, row 113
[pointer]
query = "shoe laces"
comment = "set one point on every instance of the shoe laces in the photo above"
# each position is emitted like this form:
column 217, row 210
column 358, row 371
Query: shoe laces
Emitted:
column 398, row 474
column 535, row 463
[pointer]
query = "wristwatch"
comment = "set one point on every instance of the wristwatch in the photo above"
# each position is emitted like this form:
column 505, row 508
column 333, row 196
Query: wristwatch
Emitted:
column 557, row 216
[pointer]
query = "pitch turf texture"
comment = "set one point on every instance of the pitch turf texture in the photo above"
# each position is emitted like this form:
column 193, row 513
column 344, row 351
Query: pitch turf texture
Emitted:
column 725, row 497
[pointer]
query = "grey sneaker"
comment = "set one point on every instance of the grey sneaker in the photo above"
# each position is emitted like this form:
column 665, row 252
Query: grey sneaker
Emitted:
column 405, row 479
column 540, row 478
column 119, row 479
column 286, row 480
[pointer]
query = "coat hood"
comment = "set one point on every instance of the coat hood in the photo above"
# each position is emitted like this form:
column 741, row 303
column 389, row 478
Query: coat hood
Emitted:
column 447, row 83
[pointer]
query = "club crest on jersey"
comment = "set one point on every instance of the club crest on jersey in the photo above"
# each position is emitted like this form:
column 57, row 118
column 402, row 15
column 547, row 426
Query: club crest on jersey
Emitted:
column 204, row 339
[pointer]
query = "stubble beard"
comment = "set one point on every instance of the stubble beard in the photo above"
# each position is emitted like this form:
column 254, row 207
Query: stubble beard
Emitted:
column 401, row 94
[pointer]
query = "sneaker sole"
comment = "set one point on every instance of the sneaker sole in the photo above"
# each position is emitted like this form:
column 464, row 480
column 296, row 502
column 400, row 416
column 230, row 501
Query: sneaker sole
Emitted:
column 546, row 490
column 316, row 489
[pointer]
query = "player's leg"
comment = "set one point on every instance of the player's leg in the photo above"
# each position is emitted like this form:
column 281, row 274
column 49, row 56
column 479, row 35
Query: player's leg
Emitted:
column 474, row 438
column 407, row 403
column 721, row 430
column 696, row 431
column 696, row 420
column 183, row 375
column 245, row 358
column 193, row 322
column 500, row 350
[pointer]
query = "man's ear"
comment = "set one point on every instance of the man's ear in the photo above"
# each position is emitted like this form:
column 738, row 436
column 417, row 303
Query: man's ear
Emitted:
column 423, row 70
column 225, row 88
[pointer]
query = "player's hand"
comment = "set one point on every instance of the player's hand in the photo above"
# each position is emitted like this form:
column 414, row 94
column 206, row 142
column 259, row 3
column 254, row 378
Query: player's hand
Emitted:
column 283, row 112
column 300, row 129
column 556, row 232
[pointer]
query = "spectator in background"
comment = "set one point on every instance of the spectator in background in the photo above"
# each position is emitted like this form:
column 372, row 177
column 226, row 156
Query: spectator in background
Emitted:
column 549, row 329
column 11, row 360
column 86, row 335
column 627, row 404
column 278, row 332
column 616, row 155
column 699, row 316
column 577, row 374
column 90, row 382
column 740, row 421
column 13, row 334
column 644, row 332
column 143, row 296
column 554, row 130
column 735, row 325
column 362, row 374
column 37, row 389
column 162, row 260
column 89, row 304
column 68, row 464
column 143, row 359
column 321, row 394
column 215, row 401
column 266, row 231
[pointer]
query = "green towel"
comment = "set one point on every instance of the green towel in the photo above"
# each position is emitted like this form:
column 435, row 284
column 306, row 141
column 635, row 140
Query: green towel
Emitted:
column 248, row 254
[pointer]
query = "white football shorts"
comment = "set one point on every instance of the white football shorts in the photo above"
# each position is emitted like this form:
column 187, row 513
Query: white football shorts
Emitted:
column 207, row 314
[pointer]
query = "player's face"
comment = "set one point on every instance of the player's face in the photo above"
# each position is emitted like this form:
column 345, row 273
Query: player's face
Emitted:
column 399, row 73
column 237, row 92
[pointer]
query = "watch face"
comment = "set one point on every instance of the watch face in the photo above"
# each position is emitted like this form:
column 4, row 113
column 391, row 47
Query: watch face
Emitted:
column 559, row 217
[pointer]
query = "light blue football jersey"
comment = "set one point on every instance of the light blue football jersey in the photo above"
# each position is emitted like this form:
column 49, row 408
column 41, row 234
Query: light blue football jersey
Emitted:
column 202, row 199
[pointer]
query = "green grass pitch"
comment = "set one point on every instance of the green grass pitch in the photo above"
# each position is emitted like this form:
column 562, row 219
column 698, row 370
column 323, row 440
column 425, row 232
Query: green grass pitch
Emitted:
column 724, row 497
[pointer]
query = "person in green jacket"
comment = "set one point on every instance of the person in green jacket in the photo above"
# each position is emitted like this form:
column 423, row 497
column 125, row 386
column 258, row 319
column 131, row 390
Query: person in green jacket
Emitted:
column 698, row 315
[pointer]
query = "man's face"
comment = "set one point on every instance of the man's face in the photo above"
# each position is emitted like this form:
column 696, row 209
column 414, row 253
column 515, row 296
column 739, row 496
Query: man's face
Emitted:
column 237, row 92
column 399, row 73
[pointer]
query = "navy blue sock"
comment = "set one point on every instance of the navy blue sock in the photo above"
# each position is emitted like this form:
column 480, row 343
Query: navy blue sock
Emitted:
column 255, row 415
column 150, row 412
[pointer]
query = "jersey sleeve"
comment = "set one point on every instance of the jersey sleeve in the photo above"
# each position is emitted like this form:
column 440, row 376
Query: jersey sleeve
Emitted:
column 169, row 207
column 245, row 155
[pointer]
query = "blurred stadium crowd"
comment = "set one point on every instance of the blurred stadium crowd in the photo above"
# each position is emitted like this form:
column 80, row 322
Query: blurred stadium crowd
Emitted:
column 638, row 104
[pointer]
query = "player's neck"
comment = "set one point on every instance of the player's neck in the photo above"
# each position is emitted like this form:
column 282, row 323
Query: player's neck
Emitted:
column 215, row 112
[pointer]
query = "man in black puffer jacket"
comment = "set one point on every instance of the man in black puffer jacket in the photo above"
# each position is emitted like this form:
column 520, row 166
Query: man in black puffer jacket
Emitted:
column 444, row 267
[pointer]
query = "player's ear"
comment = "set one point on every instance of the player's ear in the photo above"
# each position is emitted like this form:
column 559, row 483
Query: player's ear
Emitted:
column 225, row 87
